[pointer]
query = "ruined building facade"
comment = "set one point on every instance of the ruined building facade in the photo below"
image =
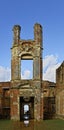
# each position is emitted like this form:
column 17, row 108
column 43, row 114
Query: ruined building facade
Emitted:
column 26, row 91
column 60, row 91
column 39, row 95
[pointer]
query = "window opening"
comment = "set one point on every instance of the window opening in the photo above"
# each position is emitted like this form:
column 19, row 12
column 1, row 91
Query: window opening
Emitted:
column 26, row 69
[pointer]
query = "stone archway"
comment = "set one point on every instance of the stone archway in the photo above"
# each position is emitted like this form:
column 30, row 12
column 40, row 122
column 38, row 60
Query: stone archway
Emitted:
column 28, row 101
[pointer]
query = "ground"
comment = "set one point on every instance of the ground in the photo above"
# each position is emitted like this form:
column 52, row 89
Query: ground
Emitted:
column 33, row 125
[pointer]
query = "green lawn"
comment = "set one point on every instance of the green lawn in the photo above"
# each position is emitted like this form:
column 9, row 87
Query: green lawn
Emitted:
column 33, row 125
column 51, row 125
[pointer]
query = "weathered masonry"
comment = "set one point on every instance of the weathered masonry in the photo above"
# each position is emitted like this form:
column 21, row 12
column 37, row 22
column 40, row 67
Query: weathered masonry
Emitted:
column 35, row 97
column 60, row 91
column 26, row 92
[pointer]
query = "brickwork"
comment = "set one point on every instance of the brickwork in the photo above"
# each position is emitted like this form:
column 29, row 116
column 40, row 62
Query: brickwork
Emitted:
column 60, row 91
column 26, row 49
column 39, row 95
column 5, row 99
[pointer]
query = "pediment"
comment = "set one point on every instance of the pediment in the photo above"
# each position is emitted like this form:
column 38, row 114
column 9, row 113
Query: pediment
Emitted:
column 24, row 86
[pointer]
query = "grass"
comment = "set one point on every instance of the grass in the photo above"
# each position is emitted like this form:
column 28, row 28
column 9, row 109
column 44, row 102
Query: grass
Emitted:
column 33, row 125
column 51, row 125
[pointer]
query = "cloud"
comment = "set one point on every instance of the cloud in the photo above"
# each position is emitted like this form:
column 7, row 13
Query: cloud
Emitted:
column 50, row 64
column 5, row 74
column 25, row 74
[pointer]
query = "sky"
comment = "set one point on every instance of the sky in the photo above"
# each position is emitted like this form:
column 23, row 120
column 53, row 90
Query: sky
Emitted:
column 48, row 13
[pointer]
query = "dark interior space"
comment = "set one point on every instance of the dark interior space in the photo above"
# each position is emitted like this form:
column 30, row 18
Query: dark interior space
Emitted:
column 26, row 108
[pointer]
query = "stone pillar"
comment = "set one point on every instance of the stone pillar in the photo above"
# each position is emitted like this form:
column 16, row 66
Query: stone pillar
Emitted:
column 15, row 60
column 15, row 68
column 16, row 31
column 14, row 103
column 38, row 52
column 37, row 73
column 38, row 34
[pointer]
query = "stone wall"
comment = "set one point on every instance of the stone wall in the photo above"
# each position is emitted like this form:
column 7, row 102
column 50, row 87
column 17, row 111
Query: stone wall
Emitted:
column 5, row 99
column 26, row 49
column 44, row 93
column 60, row 91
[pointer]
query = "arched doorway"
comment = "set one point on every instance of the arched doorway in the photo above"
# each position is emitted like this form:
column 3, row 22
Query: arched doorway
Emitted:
column 26, row 108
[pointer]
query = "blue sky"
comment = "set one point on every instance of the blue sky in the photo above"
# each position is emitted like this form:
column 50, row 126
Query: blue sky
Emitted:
column 49, row 13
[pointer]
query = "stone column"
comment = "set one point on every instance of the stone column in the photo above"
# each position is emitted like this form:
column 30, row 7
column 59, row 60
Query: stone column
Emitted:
column 16, row 31
column 15, row 68
column 38, row 34
column 38, row 52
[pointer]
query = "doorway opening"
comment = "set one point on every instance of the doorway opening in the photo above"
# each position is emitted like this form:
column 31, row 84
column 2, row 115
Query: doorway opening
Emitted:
column 26, row 108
